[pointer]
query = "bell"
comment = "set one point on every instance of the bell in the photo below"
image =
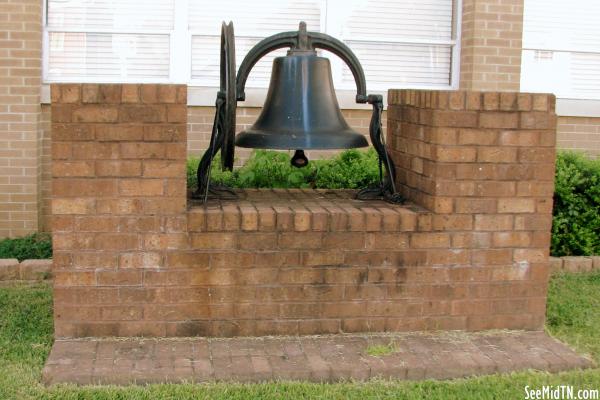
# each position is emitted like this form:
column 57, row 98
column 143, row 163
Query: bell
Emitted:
column 301, row 110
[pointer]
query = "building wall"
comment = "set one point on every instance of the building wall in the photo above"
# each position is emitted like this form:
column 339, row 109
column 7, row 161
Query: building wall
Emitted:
column 491, row 43
column 20, row 80
column 579, row 133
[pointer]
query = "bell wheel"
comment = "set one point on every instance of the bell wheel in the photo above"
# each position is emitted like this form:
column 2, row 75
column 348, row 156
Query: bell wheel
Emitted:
column 228, row 91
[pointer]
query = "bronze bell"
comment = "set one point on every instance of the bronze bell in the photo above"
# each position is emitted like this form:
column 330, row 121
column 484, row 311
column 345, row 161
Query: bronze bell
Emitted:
column 301, row 109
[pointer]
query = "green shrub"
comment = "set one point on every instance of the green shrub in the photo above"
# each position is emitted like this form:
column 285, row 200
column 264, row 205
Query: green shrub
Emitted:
column 576, row 222
column 35, row 246
column 351, row 169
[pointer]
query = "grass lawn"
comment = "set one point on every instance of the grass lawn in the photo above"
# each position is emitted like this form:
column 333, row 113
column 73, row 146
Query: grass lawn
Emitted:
column 26, row 338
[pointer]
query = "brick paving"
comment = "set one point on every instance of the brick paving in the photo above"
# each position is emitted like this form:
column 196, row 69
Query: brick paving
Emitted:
column 308, row 358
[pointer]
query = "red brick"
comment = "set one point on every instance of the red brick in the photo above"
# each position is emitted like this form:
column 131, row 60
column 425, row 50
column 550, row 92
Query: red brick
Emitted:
column 118, row 168
column 472, row 206
column 149, row 94
column 116, row 241
column 165, row 133
column 496, row 154
column 74, row 278
column 386, row 241
column 141, row 187
column 95, row 114
column 452, row 222
column 473, row 101
column 109, row 94
column 344, row 240
column 89, row 93
column 72, row 168
column 165, row 241
column 495, row 189
column 481, row 137
column 163, row 169
column 302, row 220
column 491, row 101
column 466, row 119
column 123, row 277
column 492, row 256
column 537, row 120
column 141, row 150
column 511, row 239
column 455, row 154
column 73, row 206
column 142, row 113
column 213, row 240
column 519, row 138
column 120, row 132
column 300, row 240
column 177, row 113
column 130, row 93
column 167, row 93
column 97, row 224
column 535, row 189
column 493, row 222
column 502, row 120
column 231, row 218
column 516, row 205
column 257, row 241
column 524, row 101
column 140, row 260
column 70, row 93
column 531, row 255
column 429, row 240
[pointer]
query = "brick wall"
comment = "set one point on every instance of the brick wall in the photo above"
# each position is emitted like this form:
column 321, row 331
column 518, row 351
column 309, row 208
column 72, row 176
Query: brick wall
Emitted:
column 130, row 259
column 491, row 43
column 484, row 163
column 579, row 133
column 118, row 196
column 20, row 80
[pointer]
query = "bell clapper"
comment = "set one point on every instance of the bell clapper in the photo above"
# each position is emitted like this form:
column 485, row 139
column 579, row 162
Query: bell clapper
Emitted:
column 299, row 159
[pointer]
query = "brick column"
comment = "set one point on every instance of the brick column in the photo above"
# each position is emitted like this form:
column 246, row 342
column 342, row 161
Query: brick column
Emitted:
column 491, row 41
column 484, row 164
column 119, row 200
column 20, row 80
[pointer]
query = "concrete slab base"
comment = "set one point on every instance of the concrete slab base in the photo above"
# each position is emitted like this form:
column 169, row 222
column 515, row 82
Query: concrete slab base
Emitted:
column 414, row 356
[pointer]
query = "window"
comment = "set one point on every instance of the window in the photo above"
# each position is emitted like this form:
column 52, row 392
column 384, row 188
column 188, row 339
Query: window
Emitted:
column 400, row 43
column 561, row 48
column 108, row 40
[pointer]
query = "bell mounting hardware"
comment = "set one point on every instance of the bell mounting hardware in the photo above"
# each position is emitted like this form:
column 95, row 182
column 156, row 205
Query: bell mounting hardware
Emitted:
column 300, row 112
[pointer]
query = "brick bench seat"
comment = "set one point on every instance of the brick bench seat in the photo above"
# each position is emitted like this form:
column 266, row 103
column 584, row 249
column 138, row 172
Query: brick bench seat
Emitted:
column 301, row 210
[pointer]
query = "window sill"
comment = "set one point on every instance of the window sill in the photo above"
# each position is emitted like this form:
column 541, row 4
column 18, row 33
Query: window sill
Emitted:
column 578, row 108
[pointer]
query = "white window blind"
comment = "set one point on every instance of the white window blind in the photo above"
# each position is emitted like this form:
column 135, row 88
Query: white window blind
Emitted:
column 400, row 43
column 108, row 40
column 561, row 48
column 252, row 22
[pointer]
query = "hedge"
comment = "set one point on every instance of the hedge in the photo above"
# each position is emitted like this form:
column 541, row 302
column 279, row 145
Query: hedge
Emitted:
column 576, row 219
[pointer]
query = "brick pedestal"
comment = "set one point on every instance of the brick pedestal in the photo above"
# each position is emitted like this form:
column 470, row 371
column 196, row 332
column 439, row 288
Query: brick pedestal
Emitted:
column 469, row 252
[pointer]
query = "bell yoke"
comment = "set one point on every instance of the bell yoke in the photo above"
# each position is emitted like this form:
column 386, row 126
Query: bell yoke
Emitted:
column 300, row 111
